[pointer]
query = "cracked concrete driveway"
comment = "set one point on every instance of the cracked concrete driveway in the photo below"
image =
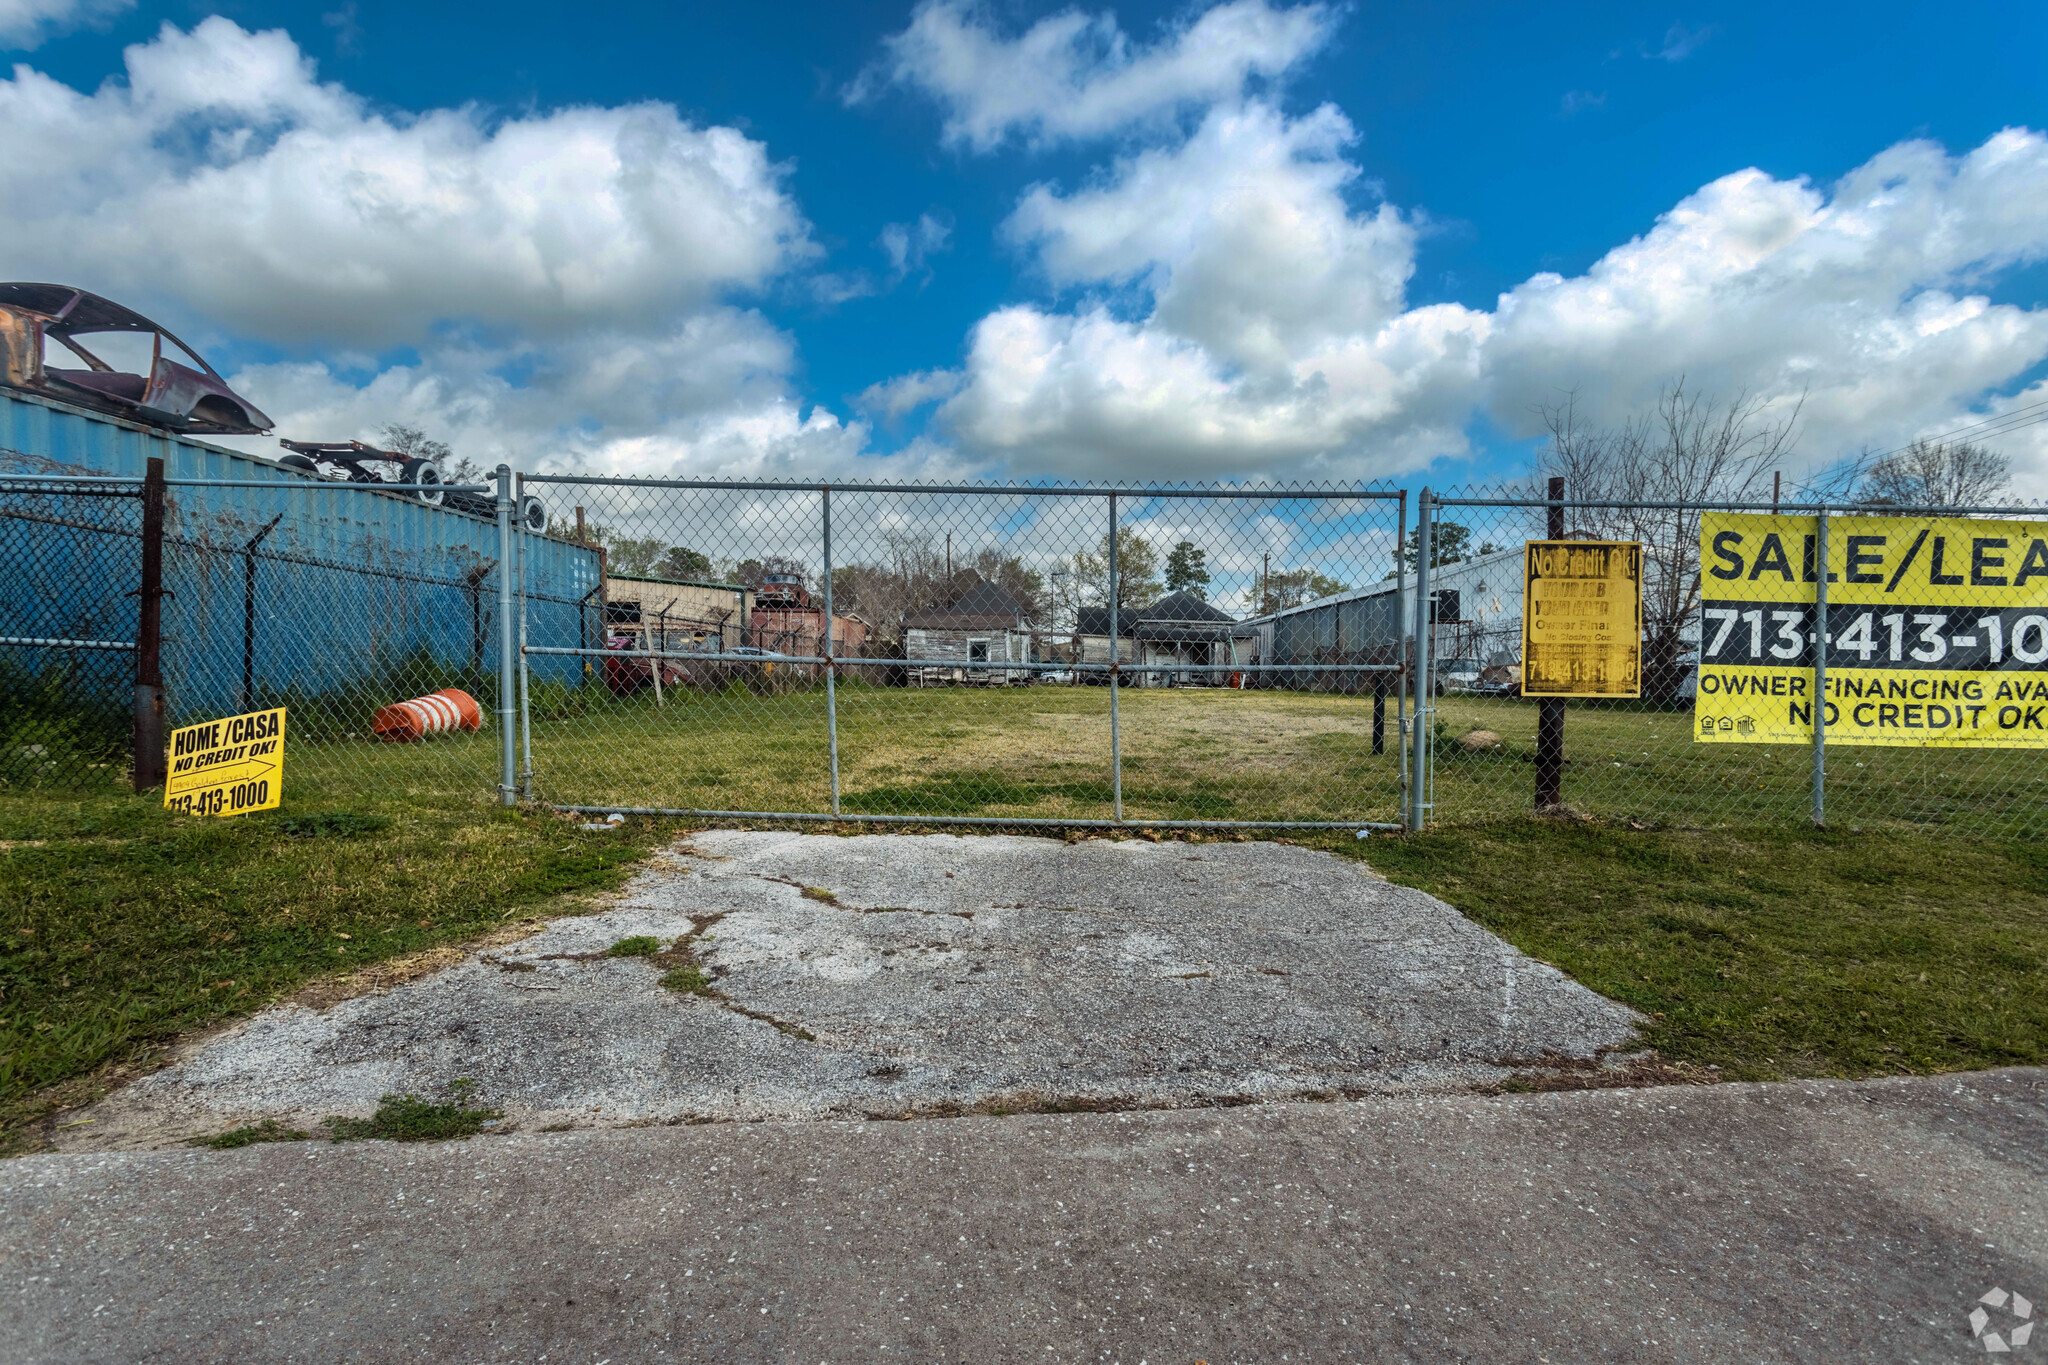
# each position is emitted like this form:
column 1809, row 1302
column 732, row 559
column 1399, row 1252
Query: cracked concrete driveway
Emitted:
column 897, row 975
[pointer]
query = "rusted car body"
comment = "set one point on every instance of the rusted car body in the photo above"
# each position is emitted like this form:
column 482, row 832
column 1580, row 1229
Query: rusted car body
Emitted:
column 174, row 395
column 630, row 674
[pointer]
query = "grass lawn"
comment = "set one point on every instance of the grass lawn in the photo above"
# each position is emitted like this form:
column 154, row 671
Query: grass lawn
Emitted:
column 1769, row 953
column 123, row 927
column 1187, row 754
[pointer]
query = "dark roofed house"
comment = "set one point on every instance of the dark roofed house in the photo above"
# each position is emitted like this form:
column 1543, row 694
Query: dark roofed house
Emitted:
column 1181, row 629
column 980, row 624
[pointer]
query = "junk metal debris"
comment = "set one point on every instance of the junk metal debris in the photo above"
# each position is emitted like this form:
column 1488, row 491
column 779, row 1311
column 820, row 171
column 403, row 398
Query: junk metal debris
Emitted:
column 357, row 462
column 166, row 392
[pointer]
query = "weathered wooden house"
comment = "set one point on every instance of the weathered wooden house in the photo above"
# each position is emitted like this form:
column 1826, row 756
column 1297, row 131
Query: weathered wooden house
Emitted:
column 1181, row 629
column 981, row 624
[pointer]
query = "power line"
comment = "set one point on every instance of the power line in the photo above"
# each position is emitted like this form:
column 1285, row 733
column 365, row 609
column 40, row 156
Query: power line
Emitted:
column 2003, row 424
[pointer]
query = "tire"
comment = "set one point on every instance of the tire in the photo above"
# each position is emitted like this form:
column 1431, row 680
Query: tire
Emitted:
column 302, row 463
column 533, row 515
column 423, row 472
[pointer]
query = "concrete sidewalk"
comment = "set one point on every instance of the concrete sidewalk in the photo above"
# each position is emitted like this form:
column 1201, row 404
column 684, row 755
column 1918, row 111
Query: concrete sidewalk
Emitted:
column 1828, row 1221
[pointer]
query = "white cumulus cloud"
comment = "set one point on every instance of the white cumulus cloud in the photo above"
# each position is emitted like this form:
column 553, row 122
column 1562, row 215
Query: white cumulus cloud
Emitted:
column 1274, row 329
column 222, row 172
column 907, row 392
column 1077, row 75
column 1238, row 303
column 565, row 280
column 25, row 24
column 1868, row 297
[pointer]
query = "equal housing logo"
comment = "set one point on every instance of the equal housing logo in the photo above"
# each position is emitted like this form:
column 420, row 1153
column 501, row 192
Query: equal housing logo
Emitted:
column 2001, row 1321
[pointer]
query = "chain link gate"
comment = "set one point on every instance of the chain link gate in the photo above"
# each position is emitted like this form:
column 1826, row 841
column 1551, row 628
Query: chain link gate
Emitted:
column 977, row 655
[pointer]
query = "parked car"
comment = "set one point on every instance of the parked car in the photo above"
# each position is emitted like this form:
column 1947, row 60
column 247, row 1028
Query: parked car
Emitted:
column 1499, row 680
column 631, row 673
column 1458, row 675
column 164, row 392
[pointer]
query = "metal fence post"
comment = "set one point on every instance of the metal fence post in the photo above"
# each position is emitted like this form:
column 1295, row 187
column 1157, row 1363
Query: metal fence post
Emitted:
column 147, row 740
column 1820, row 668
column 508, row 736
column 1418, row 783
column 1400, row 692
column 1550, row 710
column 1116, row 747
column 831, row 663
column 525, row 713
column 249, row 612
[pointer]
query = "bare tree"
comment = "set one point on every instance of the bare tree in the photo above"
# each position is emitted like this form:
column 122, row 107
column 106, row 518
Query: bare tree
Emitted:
column 1291, row 587
column 1688, row 451
column 1937, row 474
column 916, row 580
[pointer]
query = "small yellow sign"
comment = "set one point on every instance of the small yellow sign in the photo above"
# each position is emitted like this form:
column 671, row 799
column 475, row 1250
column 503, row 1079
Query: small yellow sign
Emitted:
column 1582, row 618
column 227, row 767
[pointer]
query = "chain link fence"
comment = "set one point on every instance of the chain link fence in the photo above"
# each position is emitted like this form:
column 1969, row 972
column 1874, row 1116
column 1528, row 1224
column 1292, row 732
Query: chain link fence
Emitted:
column 1729, row 640
column 70, row 554
column 332, row 600
column 1234, row 657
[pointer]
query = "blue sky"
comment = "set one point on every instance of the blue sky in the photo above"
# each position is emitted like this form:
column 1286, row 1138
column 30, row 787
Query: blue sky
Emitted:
column 1249, row 240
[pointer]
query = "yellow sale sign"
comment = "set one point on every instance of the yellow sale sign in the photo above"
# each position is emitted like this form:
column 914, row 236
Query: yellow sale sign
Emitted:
column 1936, row 630
column 227, row 767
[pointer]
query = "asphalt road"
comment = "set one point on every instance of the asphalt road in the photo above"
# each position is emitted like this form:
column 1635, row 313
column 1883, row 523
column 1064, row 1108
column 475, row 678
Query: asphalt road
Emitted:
column 1836, row 1221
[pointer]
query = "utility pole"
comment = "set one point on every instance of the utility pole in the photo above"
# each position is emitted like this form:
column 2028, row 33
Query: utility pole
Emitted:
column 1550, row 710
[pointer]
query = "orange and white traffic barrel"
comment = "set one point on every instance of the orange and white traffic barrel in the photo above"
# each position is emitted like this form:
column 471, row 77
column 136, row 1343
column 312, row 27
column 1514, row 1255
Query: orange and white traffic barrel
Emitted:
column 408, row 722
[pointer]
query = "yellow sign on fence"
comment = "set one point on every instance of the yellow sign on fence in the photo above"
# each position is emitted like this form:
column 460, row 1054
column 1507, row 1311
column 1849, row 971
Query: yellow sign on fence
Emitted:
column 1582, row 618
column 227, row 767
column 1936, row 632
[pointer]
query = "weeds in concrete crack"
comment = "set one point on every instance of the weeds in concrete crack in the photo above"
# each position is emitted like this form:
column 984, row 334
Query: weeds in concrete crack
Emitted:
column 269, row 1130
column 684, row 974
column 409, row 1118
column 688, row 978
column 1555, row 1071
